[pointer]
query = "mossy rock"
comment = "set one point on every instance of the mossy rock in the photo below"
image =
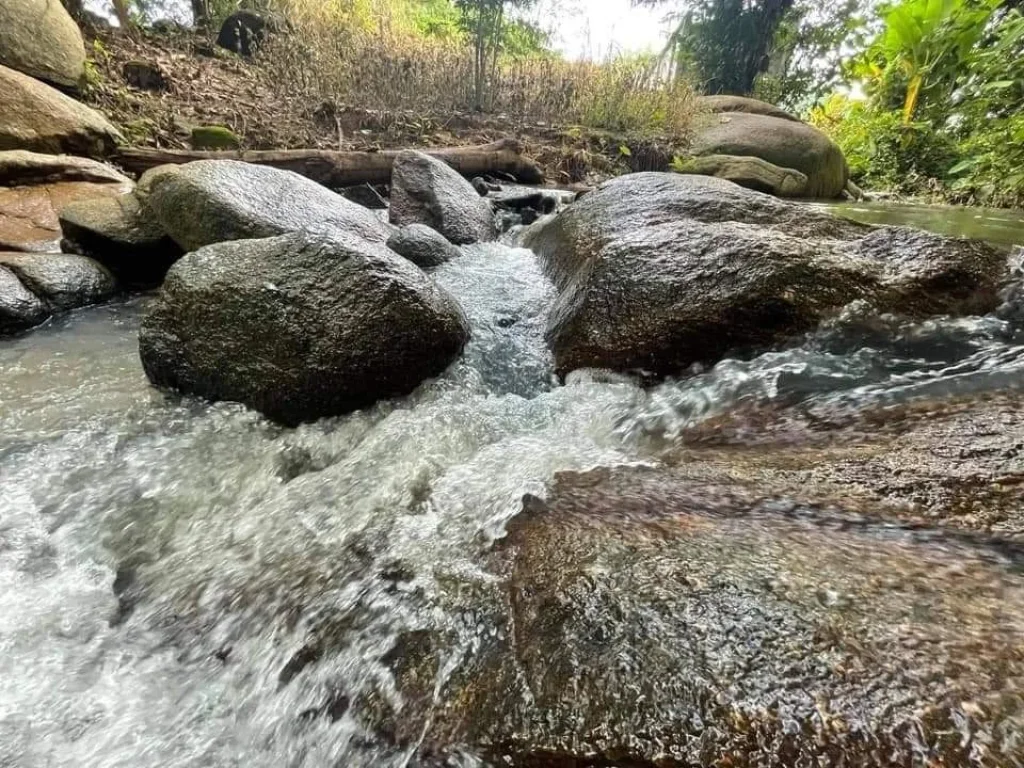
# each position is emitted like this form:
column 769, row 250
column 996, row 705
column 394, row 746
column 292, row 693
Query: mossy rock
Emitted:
column 214, row 137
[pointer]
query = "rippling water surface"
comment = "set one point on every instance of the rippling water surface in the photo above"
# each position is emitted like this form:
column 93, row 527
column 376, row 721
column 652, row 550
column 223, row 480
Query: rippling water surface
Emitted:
column 164, row 560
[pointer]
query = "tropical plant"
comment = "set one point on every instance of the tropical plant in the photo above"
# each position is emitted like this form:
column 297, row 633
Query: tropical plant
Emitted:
column 920, row 49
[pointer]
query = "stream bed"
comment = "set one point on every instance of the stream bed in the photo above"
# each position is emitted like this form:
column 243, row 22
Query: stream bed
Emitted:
column 164, row 562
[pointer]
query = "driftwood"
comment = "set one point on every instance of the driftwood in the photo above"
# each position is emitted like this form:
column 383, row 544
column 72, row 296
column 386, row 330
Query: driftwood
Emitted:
column 344, row 169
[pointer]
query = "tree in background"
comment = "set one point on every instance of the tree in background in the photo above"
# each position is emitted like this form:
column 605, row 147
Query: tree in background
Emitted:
column 723, row 45
column 486, row 23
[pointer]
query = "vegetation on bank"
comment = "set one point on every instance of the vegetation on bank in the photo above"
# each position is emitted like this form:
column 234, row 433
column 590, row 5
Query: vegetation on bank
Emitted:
column 923, row 96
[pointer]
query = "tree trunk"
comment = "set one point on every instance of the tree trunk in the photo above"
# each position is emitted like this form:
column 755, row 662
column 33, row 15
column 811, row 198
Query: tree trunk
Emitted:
column 344, row 169
column 124, row 18
column 200, row 13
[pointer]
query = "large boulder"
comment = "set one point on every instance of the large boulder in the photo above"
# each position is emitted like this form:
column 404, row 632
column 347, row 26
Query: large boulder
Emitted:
column 425, row 190
column 652, row 619
column 35, row 187
column 39, row 118
column 726, row 103
column 782, row 142
column 299, row 326
column 211, row 201
column 123, row 235
column 40, row 39
column 61, row 281
column 657, row 271
column 422, row 246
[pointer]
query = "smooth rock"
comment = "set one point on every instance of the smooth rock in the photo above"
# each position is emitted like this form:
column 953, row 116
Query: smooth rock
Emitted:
column 29, row 218
column 212, row 201
column 725, row 103
column 39, row 118
column 299, row 327
column 750, row 172
column 60, row 280
column 781, row 142
column 121, row 234
column 40, row 39
column 425, row 190
column 659, row 271
column 20, row 168
column 423, row 246
column 20, row 309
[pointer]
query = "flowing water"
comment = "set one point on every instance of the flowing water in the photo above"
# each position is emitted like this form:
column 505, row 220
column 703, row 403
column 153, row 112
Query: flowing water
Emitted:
column 163, row 560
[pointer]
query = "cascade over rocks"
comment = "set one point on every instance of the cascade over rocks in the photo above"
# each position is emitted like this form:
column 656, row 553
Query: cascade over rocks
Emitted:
column 657, row 271
column 422, row 246
column 299, row 326
column 40, row 39
column 425, row 190
column 123, row 235
column 212, row 201
column 781, row 141
column 39, row 118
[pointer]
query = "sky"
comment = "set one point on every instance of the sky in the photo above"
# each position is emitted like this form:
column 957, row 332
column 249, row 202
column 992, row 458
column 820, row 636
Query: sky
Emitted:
column 596, row 28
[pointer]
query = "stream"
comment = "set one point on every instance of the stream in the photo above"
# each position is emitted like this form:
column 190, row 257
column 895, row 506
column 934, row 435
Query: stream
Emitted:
column 163, row 560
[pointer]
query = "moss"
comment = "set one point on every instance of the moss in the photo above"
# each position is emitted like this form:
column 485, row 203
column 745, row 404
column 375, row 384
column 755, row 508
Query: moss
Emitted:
column 214, row 137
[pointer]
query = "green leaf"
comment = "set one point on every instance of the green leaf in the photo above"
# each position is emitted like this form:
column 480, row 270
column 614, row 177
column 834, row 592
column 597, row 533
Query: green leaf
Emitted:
column 962, row 166
column 624, row 151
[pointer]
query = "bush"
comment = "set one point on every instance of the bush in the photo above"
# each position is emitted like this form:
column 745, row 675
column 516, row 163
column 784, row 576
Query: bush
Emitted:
column 882, row 151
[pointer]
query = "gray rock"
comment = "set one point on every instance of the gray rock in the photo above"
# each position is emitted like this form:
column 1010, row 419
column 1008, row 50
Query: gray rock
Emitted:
column 212, row 201
column 726, row 103
column 422, row 246
column 20, row 309
column 299, row 326
column 749, row 172
column 658, row 271
column 428, row 191
column 40, row 39
column 121, row 234
column 39, row 118
column 19, row 167
column 61, row 281
column 781, row 142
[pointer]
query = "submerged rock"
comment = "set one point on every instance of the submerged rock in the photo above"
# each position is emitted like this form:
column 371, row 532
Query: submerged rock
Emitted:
column 659, row 271
column 40, row 39
column 782, row 142
column 299, row 326
column 212, row 201
column 41, row 119
column 425, row 190
column 123, row 235
column 423, row 246
column 651, row 620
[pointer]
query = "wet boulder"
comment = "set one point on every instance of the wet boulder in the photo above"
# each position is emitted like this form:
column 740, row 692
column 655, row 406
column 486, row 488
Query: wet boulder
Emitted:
column 425, row 190
column 40, row 39
column 783, row 142
column 658, row 271
column 422, row 246
column 652, row 619
column 42, row 119
column 20, row 309
column 211, row 201
column 299, row 326
column 122, row 234
column 61, row 281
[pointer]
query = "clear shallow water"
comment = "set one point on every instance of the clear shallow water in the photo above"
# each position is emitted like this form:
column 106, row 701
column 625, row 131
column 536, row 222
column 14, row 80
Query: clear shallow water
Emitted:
column 230, row 542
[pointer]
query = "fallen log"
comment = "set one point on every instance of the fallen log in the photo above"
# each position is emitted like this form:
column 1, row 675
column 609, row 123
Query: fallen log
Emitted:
column 344, row 169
